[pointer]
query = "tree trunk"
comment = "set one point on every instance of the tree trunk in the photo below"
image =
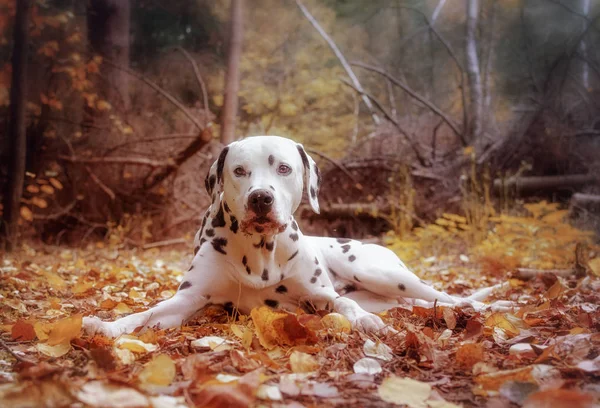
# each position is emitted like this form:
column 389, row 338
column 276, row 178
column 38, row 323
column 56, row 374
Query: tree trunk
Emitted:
column 585, row 68
column 108, row 33
column 232, row 77
column 17, row 131
column 473, row 73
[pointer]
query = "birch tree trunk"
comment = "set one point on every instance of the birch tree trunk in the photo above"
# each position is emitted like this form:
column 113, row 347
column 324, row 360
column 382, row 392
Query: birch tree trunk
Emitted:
column 585, row 68
column 474, row 73
column 17, row 131
column 232, row 77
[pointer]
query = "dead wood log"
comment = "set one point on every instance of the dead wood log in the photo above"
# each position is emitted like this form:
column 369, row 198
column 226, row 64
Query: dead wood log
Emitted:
column 535, row 183
column 580, row 199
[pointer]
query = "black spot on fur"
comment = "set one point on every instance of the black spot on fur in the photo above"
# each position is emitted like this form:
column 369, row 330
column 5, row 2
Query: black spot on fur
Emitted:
column 334, row 273
column 349, row 288
column 316, row 261
column 210, row 232
column 265, row 275
column 196, row 250
column 219, row 220
column 313, row 193
column 271, row 160
column 191, row 267
column 318, row 173
column 343, row 240
column 351, row 258
column 293, row 256
column 226, row 207
column 401, row 287
column 270, row 245
column 330, row 246
column 281, row 289
column 221, row 164
column 272, row 188
column 260, row 244
column 184, row 285
column 318, row 272
column 294, row 237
column 248, row 270
column 356, row 278
column 244, row 260
column 304, row 157
column 218, row 244
column 294, row 225
column 259, row 229
column 271, row 303
column 345, row 248
column 234, row 225
column 281, row 277
column 209, row 183
column 202, row 241
column 313, row 279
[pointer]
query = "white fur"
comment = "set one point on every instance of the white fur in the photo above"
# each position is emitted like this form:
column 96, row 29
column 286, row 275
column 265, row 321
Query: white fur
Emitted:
column 260, row 267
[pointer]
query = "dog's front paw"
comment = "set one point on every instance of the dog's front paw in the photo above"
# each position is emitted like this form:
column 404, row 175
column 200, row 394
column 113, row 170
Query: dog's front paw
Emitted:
column 370, row 323
column 93, row 325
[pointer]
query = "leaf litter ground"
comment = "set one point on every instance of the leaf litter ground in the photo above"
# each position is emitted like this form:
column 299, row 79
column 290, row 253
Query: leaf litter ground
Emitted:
column 544, row 353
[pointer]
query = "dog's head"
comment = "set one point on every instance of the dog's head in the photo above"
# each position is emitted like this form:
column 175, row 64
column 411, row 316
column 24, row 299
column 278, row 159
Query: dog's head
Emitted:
column 260, row 180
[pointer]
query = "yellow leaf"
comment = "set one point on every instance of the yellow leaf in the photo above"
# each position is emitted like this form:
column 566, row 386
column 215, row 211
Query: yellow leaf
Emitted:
column 131, row 343
column 397, row 390
column 159, row 371
column 47, row 189
column 39, row 202
column 103, row 106
column 55, row 280
column 65, row 330
column 57, row 184
column 555, row 217
column 32, row 188
column 26, row 213
column 58, row 350
column 122, row 308
column 337, row 322
column 302, row 362
column 595, row 266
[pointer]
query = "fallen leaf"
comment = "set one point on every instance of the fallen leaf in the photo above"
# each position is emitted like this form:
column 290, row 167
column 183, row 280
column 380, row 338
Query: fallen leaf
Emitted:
column 65, row 330
column 378, row 350
column 559, row 398
column 133, row 344
column 214, row 343
column 54, row 351
column 22, row 331
column 367, row 365
column 398, row 390
column 277, row 328
column 469, row 354
column 302, row 362
column 336, row 322
column 103, row 394
column 159, row 371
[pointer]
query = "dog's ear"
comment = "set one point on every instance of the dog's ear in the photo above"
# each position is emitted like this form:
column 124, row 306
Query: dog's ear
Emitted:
column 214, row 179
column 312, row 178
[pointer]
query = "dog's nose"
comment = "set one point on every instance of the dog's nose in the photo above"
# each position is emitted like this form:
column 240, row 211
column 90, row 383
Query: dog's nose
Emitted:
column 260, row 201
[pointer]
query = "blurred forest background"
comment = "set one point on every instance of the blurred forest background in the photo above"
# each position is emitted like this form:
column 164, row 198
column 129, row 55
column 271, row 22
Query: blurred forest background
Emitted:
column 112, row 111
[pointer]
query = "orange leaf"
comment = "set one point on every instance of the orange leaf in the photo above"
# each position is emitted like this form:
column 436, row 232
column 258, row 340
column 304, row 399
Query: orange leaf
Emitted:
column 26, row 214
column 22, row 331
column 469, row 354
column 65, row 330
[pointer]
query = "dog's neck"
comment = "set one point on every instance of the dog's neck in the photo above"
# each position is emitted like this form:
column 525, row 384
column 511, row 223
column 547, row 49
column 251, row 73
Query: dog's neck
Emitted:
column 264, row 258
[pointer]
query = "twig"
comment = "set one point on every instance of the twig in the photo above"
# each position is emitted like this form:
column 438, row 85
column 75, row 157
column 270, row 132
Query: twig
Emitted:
column 100, row 184
column 166, row 242
column 340, row 57
column 198, row 78
column 338, row 165
column 158, row 89
column 412, row 93
column 56, row 215
column 116, row 160
column 12, row 353
column 389, row 117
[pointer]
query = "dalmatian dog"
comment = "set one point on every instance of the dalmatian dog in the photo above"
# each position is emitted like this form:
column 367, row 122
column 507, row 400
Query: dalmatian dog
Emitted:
column 250, row 252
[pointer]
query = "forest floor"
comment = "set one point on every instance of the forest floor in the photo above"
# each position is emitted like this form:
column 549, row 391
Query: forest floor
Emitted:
column 544, row 353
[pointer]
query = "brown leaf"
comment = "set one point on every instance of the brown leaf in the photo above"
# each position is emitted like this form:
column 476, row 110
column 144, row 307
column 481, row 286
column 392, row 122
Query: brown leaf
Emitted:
column 469, row 354
column 22, row 331
column 559, row 398
column 278, row 327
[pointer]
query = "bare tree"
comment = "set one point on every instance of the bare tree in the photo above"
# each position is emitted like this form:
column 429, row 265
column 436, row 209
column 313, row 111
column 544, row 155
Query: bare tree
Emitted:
column 473, row 72
column 17, row 131
column 108, row 32
column 232, row 77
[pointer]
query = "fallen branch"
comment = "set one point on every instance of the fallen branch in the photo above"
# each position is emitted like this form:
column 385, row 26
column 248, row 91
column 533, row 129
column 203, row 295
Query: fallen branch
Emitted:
column 100, row 184
column 140, row 161
column 198, row 78
column 389, row 117
column 56, row 215
column 340, row 57
column 339, row 166
column 528, row 184
column 585, row 199
column 414, row 94
column 161, row 91
column 15, row 355
column 528, row 273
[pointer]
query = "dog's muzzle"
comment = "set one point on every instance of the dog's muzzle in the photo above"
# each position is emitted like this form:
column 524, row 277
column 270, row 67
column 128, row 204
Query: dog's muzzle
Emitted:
column 261, row 202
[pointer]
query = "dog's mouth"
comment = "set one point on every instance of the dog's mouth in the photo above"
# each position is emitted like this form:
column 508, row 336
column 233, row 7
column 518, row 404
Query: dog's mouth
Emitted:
column 262, row 225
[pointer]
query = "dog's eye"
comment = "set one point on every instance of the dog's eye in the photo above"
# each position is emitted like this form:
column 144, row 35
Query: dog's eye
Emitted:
column 239, row 172
column 284, row 169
